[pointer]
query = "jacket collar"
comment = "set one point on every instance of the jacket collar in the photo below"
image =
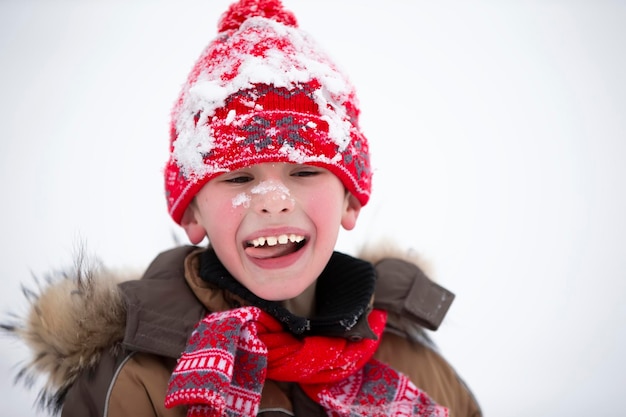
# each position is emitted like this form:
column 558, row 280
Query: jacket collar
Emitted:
column 166, row 304
column 162, row 310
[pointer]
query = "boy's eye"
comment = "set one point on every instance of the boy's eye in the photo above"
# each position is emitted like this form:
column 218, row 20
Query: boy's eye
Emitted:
column 306, row 173
column 240, row 179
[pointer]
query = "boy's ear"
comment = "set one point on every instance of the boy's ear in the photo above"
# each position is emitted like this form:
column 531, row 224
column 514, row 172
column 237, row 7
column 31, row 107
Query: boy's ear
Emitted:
column 351, row 212
column 195, row 231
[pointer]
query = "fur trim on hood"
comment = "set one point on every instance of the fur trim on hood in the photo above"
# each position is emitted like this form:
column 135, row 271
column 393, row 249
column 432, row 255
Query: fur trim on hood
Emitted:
column 67, row 310
column 77, row 315
column 374, row 253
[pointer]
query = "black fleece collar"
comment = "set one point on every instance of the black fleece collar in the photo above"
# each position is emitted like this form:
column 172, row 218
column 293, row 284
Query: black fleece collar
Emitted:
column 343, row 296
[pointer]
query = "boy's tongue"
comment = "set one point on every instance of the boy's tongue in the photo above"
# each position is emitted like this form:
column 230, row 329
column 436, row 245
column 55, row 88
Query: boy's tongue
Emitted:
column 265, row 251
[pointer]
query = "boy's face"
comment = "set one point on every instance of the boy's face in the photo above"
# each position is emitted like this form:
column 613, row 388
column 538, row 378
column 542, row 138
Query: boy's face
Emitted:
column 273, row 225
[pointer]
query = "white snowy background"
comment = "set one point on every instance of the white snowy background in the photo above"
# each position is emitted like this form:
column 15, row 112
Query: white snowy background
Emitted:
column 498, row 134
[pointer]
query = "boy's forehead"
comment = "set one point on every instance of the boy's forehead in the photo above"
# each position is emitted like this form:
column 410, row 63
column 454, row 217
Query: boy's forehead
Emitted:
column 275, row 165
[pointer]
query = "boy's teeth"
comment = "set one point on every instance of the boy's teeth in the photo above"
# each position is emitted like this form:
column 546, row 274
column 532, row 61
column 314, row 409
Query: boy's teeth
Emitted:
column 295, row 239
column 275, row 240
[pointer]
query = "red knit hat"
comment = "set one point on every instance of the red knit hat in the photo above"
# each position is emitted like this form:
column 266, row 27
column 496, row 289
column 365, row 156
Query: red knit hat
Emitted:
column 263, row 91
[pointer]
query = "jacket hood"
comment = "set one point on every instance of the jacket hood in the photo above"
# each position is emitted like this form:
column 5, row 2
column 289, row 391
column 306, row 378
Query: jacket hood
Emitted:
column 76, row 316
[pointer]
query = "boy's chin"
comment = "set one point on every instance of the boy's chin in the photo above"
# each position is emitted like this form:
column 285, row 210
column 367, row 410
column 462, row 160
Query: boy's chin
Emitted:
column 281, row 292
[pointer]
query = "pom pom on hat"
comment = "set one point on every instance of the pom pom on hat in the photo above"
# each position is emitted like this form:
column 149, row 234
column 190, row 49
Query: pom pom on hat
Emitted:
column 263, row 91
column 237, row 13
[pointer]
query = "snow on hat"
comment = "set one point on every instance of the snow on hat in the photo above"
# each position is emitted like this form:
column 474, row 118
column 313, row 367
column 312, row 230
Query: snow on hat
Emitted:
column 263, row 91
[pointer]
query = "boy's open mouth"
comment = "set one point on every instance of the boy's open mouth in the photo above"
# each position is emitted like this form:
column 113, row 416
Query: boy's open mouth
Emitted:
column 266, row 247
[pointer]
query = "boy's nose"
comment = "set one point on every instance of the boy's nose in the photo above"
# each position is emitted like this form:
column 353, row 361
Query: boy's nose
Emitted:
column 272, row 197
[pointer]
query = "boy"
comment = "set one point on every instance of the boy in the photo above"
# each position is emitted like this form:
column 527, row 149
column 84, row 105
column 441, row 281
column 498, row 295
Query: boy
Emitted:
column 267, row 161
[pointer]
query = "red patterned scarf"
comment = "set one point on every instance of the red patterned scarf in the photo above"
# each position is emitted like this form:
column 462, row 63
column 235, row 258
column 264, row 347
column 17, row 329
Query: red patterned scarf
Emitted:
column 230, row 354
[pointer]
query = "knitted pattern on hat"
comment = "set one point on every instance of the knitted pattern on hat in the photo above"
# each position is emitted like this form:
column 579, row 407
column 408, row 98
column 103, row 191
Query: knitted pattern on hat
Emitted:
column 263, row 91
column 223, row 369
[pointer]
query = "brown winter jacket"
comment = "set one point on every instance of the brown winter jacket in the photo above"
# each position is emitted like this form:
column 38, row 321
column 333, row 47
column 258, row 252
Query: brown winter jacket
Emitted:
column 110, row 349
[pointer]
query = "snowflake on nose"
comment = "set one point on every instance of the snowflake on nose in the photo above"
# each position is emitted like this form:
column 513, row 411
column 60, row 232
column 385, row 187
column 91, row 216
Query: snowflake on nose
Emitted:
column 266, row 133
